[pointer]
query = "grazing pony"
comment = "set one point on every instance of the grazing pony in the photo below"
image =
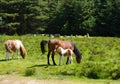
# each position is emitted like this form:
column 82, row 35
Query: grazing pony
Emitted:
column 64, row 52
column 12, row 46
column 53, row 43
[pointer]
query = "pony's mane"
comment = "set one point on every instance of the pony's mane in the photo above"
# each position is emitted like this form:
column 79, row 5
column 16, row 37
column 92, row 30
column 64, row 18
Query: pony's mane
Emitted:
column 76, row 51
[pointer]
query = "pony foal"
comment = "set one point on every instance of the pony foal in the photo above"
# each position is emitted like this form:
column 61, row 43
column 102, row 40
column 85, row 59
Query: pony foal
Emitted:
column 64, row 52
column 12, row 46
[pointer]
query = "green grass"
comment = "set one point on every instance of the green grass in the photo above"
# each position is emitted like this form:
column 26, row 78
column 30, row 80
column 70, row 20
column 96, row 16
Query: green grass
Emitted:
column 101, row 59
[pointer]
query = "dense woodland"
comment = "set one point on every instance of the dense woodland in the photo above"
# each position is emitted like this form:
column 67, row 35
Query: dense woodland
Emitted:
column 66, row 17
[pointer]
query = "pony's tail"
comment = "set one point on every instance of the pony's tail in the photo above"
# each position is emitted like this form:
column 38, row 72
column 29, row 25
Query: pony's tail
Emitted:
column 77, row 53
column 23, row 51
column 42, row 45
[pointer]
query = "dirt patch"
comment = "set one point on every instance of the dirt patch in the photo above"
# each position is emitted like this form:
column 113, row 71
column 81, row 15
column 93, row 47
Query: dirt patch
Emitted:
column 17, row 80
column 28, row 80
column 6, row 79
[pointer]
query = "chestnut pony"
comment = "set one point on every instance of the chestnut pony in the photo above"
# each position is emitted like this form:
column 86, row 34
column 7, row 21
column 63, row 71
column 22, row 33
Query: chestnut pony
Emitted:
column 53, row 43
column 64, row 52
column 12, row 46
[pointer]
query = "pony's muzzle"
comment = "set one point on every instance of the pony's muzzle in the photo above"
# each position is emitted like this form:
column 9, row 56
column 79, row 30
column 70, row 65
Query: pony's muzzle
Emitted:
column 78, row 60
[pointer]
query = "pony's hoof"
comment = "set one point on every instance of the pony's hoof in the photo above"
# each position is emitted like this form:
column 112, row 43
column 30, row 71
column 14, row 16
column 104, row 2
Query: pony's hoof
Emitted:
column 55, row 64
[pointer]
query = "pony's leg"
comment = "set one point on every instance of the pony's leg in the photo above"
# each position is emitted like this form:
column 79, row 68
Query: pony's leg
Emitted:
column 53, row 53
column 60, row 60
column 63, row 59
column 48, row 56
column 18, row 53
column 70, row 59
column 7, row 57
column 67, row 60
column 12, row 55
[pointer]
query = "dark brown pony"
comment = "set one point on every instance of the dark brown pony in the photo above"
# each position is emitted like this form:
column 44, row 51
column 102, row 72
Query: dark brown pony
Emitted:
column 54, row 43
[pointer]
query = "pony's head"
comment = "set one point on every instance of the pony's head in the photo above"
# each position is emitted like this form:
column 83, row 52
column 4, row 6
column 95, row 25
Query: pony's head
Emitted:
column 23, row 52
column 21, row 47
column 58, row 50
column 78, row 59
column 77, row 53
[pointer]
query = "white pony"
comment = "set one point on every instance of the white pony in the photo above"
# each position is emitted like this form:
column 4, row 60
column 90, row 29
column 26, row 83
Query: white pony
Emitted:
column 12, row 46
column 64, row 52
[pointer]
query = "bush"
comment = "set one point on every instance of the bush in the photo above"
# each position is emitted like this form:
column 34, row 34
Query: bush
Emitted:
column 94, row 70
column 29, row 71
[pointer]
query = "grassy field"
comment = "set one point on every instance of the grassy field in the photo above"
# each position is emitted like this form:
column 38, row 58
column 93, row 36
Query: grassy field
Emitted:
column 101, row 59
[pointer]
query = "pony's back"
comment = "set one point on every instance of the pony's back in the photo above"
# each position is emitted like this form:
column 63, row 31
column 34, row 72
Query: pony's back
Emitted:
column 63, row 51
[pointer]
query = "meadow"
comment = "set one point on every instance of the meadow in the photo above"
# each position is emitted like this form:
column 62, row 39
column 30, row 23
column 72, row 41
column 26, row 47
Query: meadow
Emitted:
column 100, row 59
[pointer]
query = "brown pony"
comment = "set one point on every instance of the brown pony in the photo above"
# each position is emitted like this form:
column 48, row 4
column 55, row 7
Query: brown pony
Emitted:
column 64, row 52
column 53, row 43
column 12, row 46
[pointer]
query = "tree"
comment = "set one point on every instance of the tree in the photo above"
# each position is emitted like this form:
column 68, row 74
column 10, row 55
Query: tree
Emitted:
column 20, row 16
column 97, row 17
column 107, row 16
column 85, row 19
column 73, row 17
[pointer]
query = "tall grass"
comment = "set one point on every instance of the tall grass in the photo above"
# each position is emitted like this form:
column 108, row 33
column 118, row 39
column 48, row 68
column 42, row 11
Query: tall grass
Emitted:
column 101, row 59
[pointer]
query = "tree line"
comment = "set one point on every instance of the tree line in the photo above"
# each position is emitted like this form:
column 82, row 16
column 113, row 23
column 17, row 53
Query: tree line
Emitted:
column 66, row 17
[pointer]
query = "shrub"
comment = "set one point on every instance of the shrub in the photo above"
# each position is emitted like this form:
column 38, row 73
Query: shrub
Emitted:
column 29, row 71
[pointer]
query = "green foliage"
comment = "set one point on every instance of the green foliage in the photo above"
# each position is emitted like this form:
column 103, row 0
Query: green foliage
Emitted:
column 106, row 21
column 77, row 17
column 29, row 71
column 23, row 12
